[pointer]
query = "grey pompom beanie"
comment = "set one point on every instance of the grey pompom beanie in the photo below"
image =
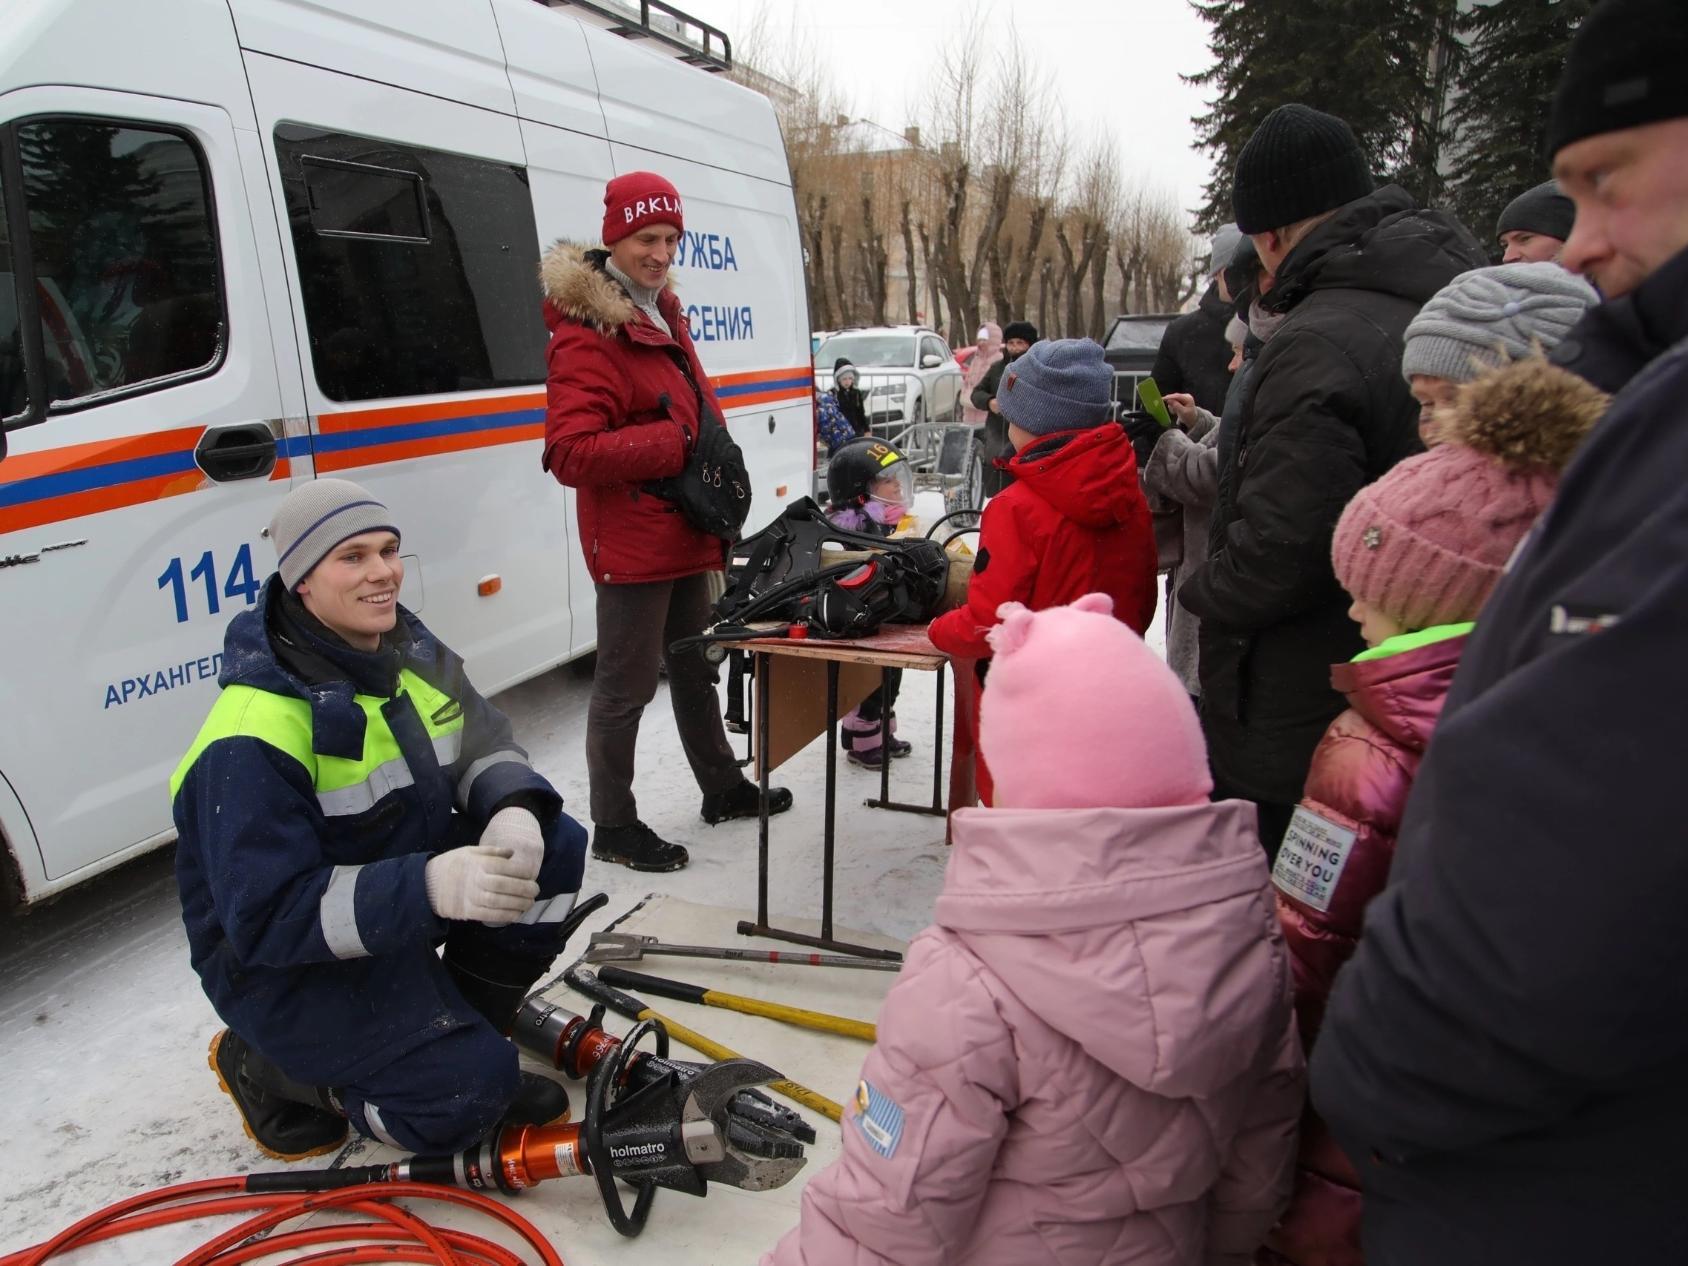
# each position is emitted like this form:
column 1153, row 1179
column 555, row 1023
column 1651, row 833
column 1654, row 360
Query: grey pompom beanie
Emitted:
column 1489, row 316
column 315, row 517
column 1059, row 385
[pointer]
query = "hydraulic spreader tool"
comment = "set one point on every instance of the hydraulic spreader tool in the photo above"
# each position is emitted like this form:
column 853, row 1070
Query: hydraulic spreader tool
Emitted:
column 649, row 1122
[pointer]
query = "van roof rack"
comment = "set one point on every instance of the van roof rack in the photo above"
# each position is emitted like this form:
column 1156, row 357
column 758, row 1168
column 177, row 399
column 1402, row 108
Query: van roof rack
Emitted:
column 677, row 33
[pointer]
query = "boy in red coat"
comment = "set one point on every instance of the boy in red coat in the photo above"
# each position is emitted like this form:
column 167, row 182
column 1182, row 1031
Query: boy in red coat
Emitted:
column 1419, row 552
column 1074, row 521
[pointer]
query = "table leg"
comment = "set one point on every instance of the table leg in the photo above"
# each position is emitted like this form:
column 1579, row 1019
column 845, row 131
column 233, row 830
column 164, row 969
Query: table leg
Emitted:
column 829, row 833
column 936, row 809
column 884, row 739
column 938, row 750
column 764, row 749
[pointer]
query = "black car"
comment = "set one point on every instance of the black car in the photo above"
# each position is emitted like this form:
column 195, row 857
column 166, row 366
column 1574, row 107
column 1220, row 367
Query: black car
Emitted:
column 1130, row 350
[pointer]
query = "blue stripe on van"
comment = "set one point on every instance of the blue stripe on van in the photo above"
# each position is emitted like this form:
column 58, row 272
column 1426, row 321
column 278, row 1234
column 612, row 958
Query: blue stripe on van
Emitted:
column 757, row 388
column 111, row 474
column 341, row 441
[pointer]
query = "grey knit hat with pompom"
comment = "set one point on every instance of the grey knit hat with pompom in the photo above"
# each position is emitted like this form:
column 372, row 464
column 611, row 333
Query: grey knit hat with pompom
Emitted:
column 1486, row 317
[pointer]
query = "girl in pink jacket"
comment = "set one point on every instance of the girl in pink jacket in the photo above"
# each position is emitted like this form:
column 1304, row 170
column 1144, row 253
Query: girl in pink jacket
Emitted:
column 1418, row 551
column 1090, row 1056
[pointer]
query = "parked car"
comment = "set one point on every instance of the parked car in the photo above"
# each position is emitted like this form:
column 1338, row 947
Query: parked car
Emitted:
column 909, row 373
column 1130, row 348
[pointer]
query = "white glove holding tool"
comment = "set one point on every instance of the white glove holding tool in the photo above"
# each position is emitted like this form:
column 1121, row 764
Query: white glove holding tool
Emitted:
column 477, row 882
column 515, row 833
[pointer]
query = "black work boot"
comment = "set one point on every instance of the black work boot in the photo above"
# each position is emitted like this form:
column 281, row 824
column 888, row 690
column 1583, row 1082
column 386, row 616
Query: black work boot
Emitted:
column 538, row 1101
column 637, row 847
column 286, row 1119
column 742, row 801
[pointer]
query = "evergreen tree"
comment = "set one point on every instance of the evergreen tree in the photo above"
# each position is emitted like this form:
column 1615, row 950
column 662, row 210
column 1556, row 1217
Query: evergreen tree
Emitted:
column 1369, row 62
column 1514, row 51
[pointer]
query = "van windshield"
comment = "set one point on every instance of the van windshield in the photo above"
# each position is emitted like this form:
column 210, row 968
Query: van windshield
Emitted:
column 867, row 351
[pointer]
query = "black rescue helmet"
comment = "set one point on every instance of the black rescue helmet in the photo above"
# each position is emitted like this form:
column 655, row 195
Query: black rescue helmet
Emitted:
column 858, row 465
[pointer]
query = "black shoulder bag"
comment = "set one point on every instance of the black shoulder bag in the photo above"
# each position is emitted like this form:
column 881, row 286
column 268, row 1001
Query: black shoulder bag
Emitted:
column 713, row 491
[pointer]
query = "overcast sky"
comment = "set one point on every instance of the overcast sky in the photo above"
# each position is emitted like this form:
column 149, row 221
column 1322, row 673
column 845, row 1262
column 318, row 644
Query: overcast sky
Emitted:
column 1113, row 61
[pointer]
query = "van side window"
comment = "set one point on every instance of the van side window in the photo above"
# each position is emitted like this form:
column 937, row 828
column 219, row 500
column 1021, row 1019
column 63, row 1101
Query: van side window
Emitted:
column 14, row 387
column 416, row 267
column 123, row 259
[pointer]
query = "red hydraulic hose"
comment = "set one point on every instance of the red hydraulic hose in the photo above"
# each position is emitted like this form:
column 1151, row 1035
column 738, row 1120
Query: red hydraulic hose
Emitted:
column 403, row 1236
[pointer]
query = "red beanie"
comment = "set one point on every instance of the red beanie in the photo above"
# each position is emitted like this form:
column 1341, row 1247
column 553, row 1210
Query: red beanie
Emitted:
column 636, row 199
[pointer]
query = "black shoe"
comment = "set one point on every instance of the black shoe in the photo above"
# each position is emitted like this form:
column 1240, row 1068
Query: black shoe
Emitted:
column 735, row 725
column 538, row 1101
column 742, row 801
column 637, row 847
column 285, row 1120
column 899, row 747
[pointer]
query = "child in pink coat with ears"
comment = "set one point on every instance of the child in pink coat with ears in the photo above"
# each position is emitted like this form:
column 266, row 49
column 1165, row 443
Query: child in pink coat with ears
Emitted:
column 1090, row 1057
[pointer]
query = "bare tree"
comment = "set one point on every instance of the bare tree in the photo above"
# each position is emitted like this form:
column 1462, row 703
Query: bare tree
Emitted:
column 913, row 272
column 875, row 261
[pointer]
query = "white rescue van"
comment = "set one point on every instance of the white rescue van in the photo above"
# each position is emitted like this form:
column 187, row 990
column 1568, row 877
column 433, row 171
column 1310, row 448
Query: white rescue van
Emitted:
column 248, row 242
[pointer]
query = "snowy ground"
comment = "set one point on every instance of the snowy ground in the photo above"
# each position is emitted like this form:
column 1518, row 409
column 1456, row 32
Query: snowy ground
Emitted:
column 103, row 1027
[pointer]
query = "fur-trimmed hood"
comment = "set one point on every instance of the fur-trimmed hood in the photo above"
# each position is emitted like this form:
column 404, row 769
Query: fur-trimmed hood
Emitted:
column 576, row 285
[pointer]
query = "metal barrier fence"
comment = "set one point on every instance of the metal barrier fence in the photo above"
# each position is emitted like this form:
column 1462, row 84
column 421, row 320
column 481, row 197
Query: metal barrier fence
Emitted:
column 920, row 413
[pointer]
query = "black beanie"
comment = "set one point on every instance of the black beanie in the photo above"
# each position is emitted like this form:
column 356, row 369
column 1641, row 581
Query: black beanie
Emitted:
column 1541, row 210
column 1624, row 69
column 1299, row 163
column 1020, row 329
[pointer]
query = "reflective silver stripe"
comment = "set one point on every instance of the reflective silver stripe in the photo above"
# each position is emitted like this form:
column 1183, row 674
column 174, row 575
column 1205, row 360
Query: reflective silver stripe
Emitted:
column 448, row 747
column 338, row 912
column 378, row 1127
column 552, row 910
column 482, row 765
column 362, row 796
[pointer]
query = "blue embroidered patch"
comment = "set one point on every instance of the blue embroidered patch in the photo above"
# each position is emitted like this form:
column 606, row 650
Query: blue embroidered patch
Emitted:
column 879, row 1118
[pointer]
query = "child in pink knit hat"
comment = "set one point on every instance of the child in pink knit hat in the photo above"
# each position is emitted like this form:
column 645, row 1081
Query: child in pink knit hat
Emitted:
column 1418, row 551
column 1091, row 1054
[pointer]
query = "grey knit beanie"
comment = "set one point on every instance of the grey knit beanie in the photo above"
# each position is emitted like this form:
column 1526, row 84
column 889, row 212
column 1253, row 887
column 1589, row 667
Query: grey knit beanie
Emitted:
column 315, row 517
column 1060, row 385
column 1225, row 239
column 1486, row 317
column 1543, row 210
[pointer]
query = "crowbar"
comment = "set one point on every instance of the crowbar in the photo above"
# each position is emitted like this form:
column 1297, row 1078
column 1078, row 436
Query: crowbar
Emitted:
column 680, row 991
column 630, row 947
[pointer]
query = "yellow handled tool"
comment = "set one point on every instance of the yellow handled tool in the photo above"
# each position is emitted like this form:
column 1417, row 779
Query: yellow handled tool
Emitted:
column 680, row 991
column 635, row 1009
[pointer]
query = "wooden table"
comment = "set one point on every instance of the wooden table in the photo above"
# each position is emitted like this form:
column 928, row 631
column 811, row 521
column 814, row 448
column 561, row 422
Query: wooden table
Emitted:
column 895, row 646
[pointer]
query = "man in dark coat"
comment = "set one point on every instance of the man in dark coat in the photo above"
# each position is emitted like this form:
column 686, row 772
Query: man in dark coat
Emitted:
column 1194, row 356
column 1506, row 1057
column 1329, row 412
column 1017, row 338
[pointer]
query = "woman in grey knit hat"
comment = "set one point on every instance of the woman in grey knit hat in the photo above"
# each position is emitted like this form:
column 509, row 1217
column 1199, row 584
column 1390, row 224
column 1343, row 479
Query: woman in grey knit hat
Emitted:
column 1482, row 319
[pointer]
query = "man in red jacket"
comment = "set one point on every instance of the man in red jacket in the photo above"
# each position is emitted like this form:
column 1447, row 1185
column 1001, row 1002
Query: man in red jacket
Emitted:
column 1074, row 520
column 624, row 395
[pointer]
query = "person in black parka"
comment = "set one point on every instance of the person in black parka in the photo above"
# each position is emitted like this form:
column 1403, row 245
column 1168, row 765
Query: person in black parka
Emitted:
column 1328, row 413
column 1194, row 356
column 1505, row 1059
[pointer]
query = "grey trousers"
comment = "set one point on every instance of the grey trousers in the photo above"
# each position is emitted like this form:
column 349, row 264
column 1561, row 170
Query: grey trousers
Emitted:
column 636, row 623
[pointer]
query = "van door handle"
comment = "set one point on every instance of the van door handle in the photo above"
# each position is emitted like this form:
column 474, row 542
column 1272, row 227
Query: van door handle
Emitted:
column 244, row 450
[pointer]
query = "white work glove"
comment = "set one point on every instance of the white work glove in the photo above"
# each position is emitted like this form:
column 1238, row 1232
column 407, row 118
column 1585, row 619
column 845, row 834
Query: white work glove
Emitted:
column 474, row 882
column 515, row 833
